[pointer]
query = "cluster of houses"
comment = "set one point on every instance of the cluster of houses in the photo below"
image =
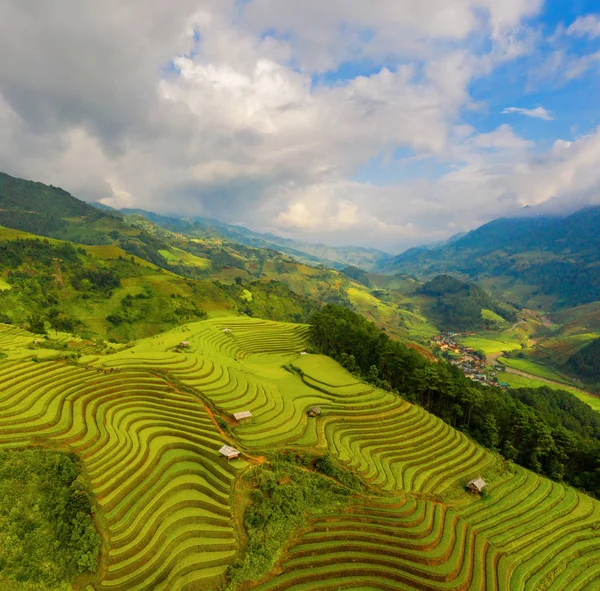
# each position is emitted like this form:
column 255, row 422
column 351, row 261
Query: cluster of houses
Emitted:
column 465, row 358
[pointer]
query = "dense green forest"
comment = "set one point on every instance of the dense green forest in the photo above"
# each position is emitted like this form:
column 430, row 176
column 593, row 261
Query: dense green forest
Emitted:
column 47, row 536
column 459, row 305
column 552, row 433
column 586, row 362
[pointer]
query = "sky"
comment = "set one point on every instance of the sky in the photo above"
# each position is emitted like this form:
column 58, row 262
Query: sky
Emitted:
column 386, row 124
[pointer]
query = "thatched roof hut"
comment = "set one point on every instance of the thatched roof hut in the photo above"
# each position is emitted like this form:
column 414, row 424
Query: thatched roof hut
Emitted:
column 240, row 416
column 476, row 485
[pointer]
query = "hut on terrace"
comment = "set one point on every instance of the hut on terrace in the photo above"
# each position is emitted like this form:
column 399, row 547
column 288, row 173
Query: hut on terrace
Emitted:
column 184, row 344
column 227, row 330
column 476, row 485
column 229, row 452
column 314, row 411
column 245, row 415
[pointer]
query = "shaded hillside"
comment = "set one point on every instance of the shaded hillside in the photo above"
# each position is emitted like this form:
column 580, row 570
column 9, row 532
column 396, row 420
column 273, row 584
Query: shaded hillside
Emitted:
column 586, row 362
column 542, row 262
column 459, row 305
column 50, row 211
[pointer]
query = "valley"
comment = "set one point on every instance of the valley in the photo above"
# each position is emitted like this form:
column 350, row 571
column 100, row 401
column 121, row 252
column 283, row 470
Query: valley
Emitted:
column 129, row 340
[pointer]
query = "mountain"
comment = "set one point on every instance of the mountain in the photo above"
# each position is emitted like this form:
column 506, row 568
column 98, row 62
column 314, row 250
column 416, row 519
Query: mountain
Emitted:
column 463, row 306
column 541, row 262
column 332, row 256
column 49, row 211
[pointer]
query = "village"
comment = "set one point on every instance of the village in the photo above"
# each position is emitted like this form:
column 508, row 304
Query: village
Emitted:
column 471, row 362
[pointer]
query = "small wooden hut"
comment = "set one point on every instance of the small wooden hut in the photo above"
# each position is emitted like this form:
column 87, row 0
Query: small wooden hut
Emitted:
column 229, row 452
column 314, row 411
column 242, row 416
column 476, row 485
column 184, row 344
column 227, row 330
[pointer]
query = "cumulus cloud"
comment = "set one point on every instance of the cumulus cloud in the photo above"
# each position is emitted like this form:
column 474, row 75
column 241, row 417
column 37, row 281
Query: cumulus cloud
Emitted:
column 264, row 112
column 536, row 113
column 585, row 26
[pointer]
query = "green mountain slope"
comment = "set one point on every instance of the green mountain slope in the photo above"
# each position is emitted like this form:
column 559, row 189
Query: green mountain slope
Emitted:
column 462, row 306
column 539, row 262
column 104, row 291
column 369, row 494
column 333, row 256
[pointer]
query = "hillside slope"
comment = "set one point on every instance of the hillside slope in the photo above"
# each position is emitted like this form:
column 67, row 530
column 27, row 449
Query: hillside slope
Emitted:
column 103, row 291
column 312, row 253
column 148, row 423
column 541, row 262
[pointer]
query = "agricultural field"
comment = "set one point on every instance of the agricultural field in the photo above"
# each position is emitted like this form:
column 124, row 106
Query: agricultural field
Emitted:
column 148, row 421
column 519, row 381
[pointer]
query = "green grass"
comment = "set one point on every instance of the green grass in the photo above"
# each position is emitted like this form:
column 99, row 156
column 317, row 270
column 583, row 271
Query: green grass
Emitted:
column 515, row 381
column 535, row 369
column 494, row 342
column 182, row 257
column 490, row 315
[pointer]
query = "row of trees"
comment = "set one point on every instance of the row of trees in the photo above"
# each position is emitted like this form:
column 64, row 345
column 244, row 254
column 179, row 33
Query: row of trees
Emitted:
column 559, row 440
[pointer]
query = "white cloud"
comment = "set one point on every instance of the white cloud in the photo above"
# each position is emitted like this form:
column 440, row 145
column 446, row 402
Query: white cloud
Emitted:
column 536, row 113
column 585, row 26
column 218, row 107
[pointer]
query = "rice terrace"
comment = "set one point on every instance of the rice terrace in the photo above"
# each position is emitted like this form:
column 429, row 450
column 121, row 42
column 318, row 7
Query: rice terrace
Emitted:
column 148, row 421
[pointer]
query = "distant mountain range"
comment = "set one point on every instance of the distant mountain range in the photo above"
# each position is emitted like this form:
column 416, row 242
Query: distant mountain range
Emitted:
column 541, row 262
column 332, row 256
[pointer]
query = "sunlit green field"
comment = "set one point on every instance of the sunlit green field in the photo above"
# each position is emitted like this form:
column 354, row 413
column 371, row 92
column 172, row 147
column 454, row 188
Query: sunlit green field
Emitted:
column 493, row 342
column 535, row 369
column 516, row 381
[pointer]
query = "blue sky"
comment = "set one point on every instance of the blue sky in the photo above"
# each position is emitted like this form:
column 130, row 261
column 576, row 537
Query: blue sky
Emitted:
column 384, row 124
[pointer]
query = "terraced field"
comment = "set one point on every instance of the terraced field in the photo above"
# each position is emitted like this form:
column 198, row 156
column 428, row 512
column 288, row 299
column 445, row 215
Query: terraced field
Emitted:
column 140, row 419
column 12, row 337
column 403, row 544
column 152, row 456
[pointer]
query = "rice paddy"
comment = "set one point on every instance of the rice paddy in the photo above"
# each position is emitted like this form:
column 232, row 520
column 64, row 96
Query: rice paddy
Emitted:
column 143, row 422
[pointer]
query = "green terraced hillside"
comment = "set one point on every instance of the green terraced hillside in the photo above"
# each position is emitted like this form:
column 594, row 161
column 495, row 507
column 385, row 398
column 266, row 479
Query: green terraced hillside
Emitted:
column 148, row 422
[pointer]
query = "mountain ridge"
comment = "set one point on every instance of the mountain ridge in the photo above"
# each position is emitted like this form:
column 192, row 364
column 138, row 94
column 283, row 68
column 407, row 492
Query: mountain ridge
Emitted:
column 534, row 257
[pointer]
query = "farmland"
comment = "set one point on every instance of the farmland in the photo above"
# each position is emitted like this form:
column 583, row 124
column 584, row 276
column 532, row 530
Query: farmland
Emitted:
column 148, row 421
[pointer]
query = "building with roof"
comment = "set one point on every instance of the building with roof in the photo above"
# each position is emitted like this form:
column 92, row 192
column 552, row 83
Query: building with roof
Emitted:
column 476, row 485
column 229, row 452
column 244, row 415
column 314, row 411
